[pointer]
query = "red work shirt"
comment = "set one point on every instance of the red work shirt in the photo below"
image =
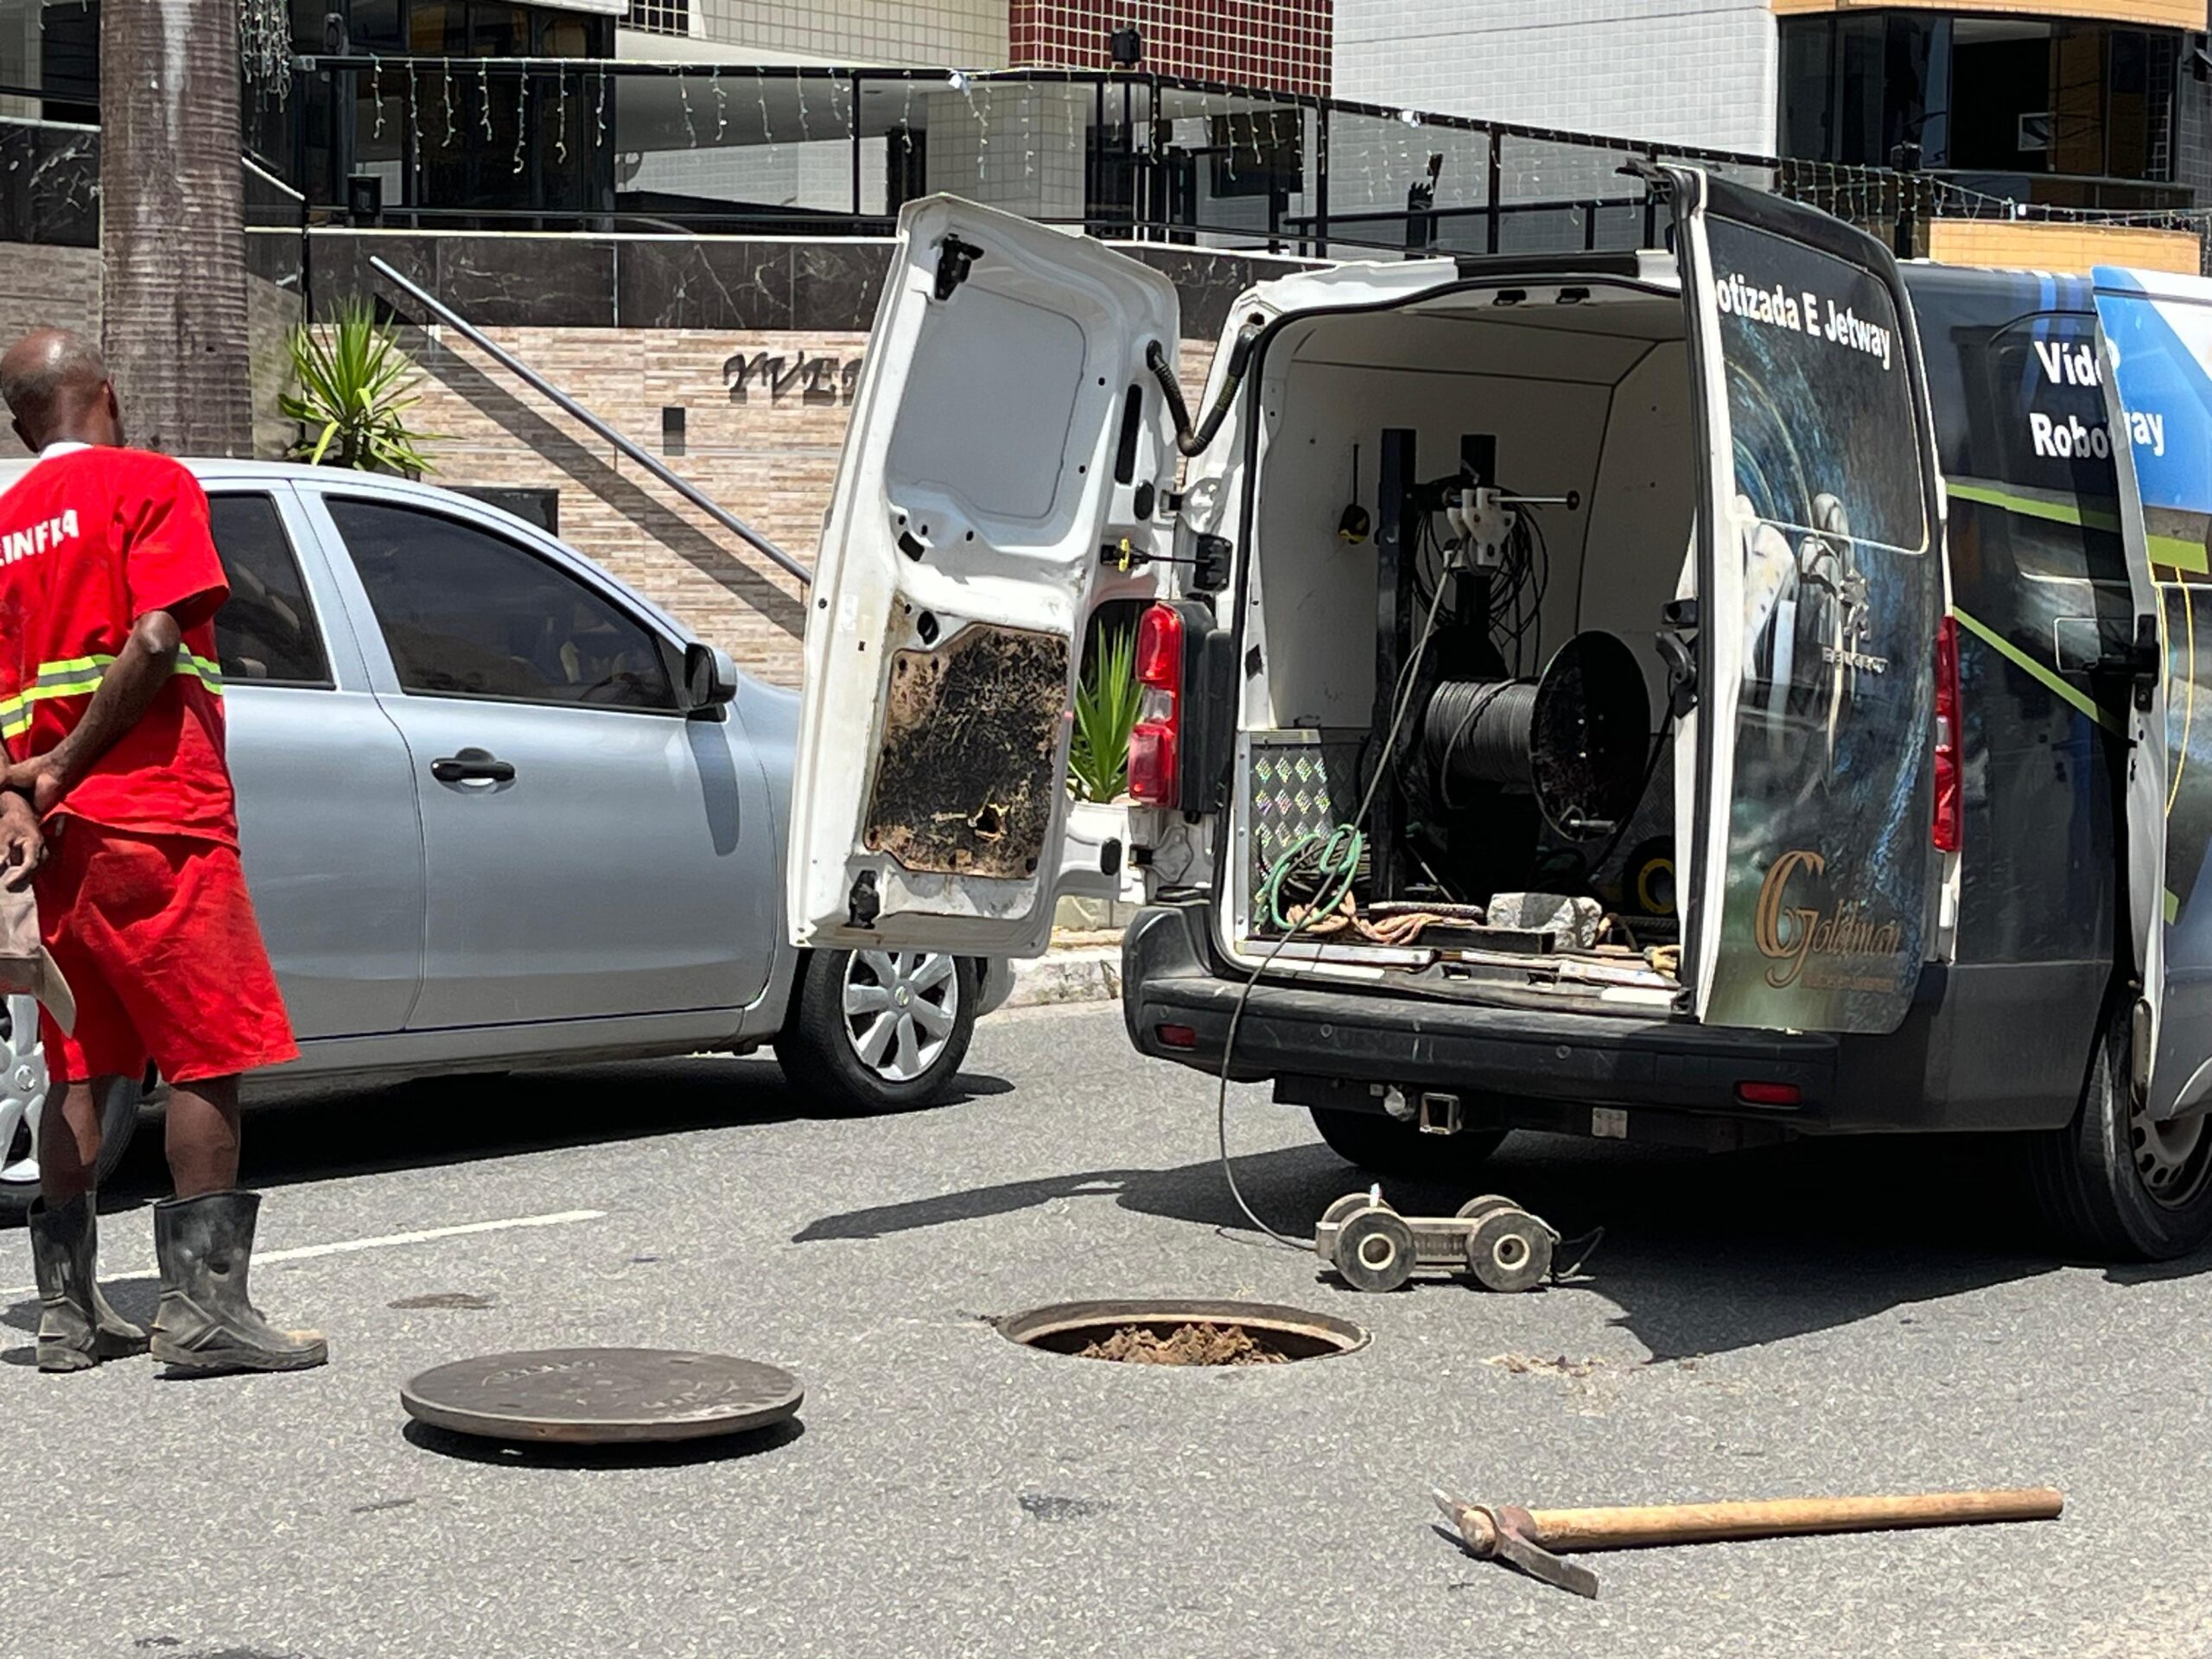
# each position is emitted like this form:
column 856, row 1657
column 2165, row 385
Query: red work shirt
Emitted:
column 90, row 540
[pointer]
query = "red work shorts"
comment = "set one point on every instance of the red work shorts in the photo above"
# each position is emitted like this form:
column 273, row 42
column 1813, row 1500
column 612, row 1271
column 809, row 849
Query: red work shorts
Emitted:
column 157, row 938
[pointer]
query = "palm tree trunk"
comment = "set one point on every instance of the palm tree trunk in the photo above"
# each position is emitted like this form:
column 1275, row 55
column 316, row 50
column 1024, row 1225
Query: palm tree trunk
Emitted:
column 173, row 317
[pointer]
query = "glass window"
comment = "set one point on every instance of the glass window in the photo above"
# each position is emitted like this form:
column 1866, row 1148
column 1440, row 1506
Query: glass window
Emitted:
column 469, row 613
column 373, row 25
column 266, row 633
column 1808, row 73
column 1990, row 94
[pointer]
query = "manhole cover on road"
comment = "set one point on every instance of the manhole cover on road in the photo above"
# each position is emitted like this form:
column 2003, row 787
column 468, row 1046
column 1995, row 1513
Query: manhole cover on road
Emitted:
column 588, row 1397
column 1178, row 1333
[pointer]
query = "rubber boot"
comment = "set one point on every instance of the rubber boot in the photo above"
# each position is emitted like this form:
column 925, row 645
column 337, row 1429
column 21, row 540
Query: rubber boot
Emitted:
column 76, row 1327
column 205, row 1321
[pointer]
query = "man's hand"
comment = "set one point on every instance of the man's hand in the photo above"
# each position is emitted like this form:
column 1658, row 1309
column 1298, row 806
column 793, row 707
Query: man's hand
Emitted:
column 22, row 844
column 44, row 779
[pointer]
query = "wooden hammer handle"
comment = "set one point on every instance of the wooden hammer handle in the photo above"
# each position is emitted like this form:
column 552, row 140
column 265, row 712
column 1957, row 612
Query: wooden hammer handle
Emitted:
column 1691, row 1523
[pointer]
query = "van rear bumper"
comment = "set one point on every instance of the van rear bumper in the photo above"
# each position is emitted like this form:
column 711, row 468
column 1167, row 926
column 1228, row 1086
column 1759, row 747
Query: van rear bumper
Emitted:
column 1363, row 1038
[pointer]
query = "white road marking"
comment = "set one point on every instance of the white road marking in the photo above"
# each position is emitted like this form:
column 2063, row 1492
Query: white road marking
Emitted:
column 348, row 1246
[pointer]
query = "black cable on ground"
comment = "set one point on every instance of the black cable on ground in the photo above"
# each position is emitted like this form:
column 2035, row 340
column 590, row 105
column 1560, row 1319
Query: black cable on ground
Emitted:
column 1408, row 677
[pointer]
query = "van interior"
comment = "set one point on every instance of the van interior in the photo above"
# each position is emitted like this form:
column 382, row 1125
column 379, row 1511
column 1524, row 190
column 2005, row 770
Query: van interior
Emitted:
column 1499, row 659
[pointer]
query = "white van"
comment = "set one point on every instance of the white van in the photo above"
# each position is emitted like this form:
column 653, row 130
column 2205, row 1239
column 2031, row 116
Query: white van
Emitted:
column 1558, row 712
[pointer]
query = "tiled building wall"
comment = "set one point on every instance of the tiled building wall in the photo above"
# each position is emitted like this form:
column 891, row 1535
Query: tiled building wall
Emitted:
column 969, row 33
column 1279, row 44
column 60, row 287
column 1695, row 72
column 2028, row 244
column 768, row 456
column 1034, row 162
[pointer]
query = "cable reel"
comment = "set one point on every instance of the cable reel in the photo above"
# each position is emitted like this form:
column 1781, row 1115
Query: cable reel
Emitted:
column 1578, row 739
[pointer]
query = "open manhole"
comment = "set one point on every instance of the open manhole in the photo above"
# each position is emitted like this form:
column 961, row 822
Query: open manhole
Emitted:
column 1169, row 1331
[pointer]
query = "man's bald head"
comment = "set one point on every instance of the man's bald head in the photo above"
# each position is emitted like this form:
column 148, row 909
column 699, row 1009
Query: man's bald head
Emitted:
column 56, row 387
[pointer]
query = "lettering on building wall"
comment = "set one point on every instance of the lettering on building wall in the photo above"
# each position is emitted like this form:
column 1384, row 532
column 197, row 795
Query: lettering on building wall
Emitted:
column 776, row 376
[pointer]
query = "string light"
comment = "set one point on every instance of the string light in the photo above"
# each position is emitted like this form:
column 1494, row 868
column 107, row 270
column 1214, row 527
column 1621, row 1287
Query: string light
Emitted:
column 561, row 118
column 979, row 99
column 449, row 106
column 683, row 94
column 376, row 93
column 484, row 90
column 721, row 104
column 522, row 117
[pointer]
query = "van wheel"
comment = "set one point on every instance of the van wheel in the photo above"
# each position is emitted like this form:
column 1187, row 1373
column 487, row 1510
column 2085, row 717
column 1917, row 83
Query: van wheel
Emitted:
column 2117, row 1185
column 1383, row 1145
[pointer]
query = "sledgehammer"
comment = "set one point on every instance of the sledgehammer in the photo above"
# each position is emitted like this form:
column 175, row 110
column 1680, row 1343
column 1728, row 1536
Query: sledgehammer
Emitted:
column 1533, row 1539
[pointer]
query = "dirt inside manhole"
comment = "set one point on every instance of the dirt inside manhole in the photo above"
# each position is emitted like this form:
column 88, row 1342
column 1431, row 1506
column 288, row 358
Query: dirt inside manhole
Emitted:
column 1205, row 1344
column 1184, row 1332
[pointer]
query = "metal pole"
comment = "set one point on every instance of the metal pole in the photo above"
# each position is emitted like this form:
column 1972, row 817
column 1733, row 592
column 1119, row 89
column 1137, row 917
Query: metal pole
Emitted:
column 538, row 383
column 854, row 105
column 1320, row 249
column 1493, row 184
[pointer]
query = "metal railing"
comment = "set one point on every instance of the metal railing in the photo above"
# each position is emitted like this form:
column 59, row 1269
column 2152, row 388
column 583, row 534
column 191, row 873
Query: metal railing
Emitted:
column 595, row 144
column 545, row 388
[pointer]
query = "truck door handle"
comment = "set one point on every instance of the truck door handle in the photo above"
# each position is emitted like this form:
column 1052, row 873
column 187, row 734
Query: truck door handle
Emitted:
column 472, row 765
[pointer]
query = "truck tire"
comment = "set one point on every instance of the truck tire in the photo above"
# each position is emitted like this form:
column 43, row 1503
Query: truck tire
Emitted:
column 1383, row 1145
column 2115, row 1185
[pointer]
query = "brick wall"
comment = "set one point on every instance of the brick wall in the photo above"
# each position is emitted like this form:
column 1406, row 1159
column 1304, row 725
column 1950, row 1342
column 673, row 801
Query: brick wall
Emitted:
column 768, row 456
column 1279, row 44
column 1695, row 72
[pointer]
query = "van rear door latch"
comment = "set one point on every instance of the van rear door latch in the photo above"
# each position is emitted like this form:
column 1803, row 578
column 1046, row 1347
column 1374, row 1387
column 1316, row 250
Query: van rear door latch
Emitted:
column 954, row 259
column 1209, row 569
column 1676, row 643
column 2140, row 661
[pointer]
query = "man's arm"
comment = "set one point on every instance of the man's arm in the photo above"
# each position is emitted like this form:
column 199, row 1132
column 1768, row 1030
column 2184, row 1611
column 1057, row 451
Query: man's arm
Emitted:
column 126, row 691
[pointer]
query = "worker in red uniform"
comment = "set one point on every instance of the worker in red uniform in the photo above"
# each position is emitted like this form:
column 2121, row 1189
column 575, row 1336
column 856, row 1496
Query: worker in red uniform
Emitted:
column 120, row 798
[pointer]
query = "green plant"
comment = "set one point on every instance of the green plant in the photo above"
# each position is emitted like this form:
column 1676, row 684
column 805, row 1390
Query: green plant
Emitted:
column 355, row 388
column 1105, row 709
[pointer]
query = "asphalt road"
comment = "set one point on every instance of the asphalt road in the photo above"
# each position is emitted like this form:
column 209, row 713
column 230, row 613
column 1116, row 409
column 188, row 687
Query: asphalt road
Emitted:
column 1815, row 1319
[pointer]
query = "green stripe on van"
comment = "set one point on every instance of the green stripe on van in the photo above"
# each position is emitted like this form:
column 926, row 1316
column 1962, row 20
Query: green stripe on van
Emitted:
column 2161, row 549
column 2056, row 509
column 2058, row 687
column 2044, row 675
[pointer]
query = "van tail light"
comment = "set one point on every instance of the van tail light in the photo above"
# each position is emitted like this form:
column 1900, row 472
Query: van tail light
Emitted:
column 1949, row 830
column 1155, row 742
column 1756, row 1092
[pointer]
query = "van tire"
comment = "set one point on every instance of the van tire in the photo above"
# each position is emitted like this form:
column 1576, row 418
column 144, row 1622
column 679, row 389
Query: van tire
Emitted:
column 2085, row 1179
column 1383, row 1145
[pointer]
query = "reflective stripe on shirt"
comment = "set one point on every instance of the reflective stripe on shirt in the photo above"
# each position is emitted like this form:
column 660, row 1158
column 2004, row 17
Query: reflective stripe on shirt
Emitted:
column 76, row 676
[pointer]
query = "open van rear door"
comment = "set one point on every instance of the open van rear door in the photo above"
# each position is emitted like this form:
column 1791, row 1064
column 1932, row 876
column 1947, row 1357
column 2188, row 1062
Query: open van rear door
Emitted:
column 1004, row 431
column 1820, row 586
column 2157, row 331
